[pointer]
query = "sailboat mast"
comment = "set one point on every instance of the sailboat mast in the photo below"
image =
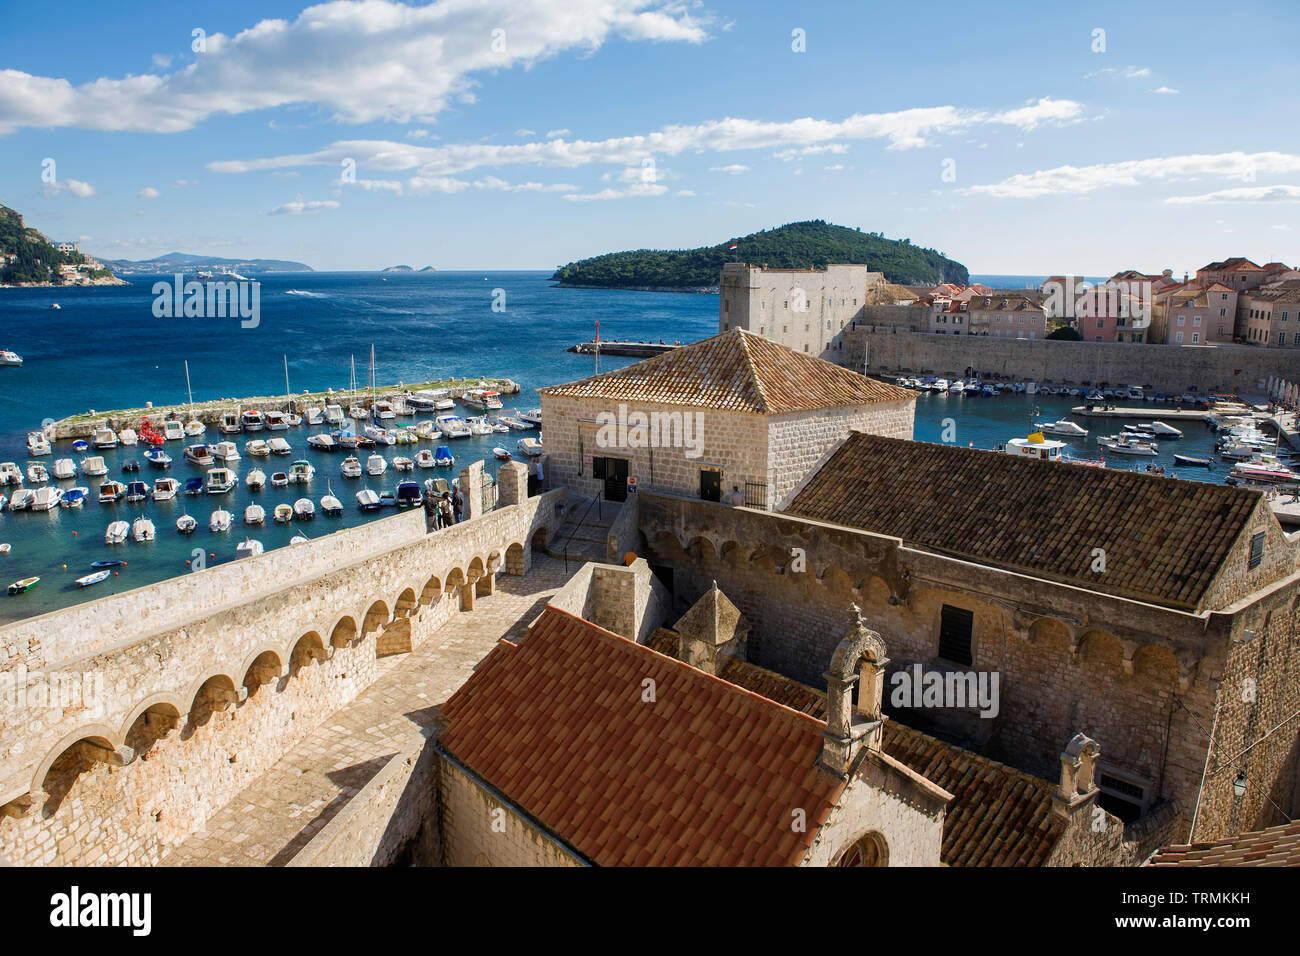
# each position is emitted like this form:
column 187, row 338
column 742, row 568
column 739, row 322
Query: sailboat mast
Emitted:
column 189, row 390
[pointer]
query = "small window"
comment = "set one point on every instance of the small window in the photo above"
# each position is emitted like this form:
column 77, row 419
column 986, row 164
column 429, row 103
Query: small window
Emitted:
column 1256, row 551
column 1125, row 799
column 955, row 627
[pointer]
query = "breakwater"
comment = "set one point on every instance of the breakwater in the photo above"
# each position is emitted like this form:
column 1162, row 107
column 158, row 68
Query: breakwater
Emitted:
column 1165, row 368
column 637, row 349
column 85, row 424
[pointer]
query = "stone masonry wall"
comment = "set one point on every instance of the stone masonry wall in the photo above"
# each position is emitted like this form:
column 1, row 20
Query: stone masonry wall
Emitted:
column 478, row 828
column 1165, row 368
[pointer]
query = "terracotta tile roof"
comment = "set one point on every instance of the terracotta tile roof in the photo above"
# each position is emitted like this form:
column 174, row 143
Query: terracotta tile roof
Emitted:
column 1239, row 263
column 705, row 775
column 1276, row 846
column 736, row 371
column 998, row 816
column 1164, row 539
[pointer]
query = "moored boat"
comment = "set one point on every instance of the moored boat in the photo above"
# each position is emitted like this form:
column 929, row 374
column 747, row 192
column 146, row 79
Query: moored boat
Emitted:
column 164, row 489
column 186, row 524
column 367, row 500
column 351, row 467
column 155, row 456
column 256, row 480
column 173, row 430
column 409, row 495
column 279, row 479
column 199, row 455
column 304, row 509
column 226, row 451
column 94, row 578
column 11, row 474
column 531, row 447
column 1193, row 461
column 21, row 499
column 74, row 498
column 142, row 529
column 443, row 457
column 220, row 520
column 65, row 468
column 23, row 585
column 376, row 465
column 252, row 420
column 248, row 548
column 37, row 444
column 501, row 453
column 93, row 467
column 301, row 472
column 283, row 514
column 220, row 481
column 254, row 514
column 116, row 532
column 279, row 446
column 105, row 438
column 111, row 491
column 46, row 499
column 258, row 448
column 137, row 491
column 1063, row 427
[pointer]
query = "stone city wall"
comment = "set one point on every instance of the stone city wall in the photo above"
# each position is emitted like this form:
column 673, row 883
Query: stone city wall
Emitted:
column 1165, row 368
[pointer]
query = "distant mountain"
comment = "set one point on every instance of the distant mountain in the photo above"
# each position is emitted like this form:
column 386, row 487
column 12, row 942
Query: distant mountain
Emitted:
column 185, row 262
column 797, row 245
column 397, row 269
column 428, row 269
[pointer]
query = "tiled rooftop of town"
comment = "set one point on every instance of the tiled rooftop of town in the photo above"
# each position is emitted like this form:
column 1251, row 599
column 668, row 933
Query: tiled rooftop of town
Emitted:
column 736, row 371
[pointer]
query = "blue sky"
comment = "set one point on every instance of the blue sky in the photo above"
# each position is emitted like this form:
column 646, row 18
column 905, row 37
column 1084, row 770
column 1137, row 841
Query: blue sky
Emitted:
column 360, row 135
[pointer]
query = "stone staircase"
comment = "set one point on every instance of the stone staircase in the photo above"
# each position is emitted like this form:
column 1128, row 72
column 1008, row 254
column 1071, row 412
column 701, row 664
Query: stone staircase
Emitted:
column 584, row 531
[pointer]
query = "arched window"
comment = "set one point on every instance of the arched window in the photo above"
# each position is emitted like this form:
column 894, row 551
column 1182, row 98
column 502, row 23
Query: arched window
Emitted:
column 868, row 850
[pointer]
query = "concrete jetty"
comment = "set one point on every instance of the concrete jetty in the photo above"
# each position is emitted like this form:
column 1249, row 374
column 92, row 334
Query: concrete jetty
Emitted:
column 85, row 425
column 637, row 349
column 1147, row 411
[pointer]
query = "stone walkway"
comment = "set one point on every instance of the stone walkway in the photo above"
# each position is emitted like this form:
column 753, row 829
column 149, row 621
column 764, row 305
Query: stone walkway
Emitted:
column 271, row 821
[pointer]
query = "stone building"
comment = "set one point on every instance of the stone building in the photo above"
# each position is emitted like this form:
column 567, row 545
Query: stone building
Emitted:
column 1271, row 317
column 735, row 412
column 1190, row 314
column 1006, row 316
column 678, row 767
column 1125, row 606
column 804, row 309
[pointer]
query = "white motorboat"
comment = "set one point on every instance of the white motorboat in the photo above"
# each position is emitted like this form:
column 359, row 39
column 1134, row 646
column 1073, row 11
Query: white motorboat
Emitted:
column 194, row 428
column 514, row 423
column 142, row 529
column 37, row 444
column 254, row 514
column 1124, row 445
column 137, row 491
column 532, row 447
column 276, row 421
column 65, row 468
column 376, row 465
column 402, row 463
column 22, row 499
column 331, row 506
column 164, row 489
column 1063, row 427
column 283, row 514
column 425, row 429
column 304, row 509
column 199, row 455
column 45, row 499
column 358, row 412
column 226, row 451
column 487, row 399
column 256, row 479
column 301, row 472
column 220, row 520
column 128, row 438
column 405, row 436
column 10, row 358
column 173, row 430
column 258, row 448
column 11, row 474
column 453, row 426
column 252, row 420
column 37, row 474
column 367, row 500
column 220, row 481
column 1043, row 449
column 380, row 436
column 111, row 491
column 116, row 532
column 230, row 423
column 315, row 415
column 533, row 417
column 95, row 578
column 74, row 497
column 333, row 414
column 186, row 524
column 351, row 467
column 383, row 410
column 1161, row 429
column 279, row 479
column 424, row 459
column 91, row 467
column 248, row 548
column 279, row 446
column 323, row 442
column 479, row 426
column 104, row 438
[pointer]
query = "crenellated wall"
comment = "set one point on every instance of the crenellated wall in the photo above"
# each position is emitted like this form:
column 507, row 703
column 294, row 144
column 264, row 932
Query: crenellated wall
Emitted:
column 223, row 671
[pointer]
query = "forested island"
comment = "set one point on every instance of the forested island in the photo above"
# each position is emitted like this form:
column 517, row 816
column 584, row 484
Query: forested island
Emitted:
column 798, row 245
column 28, row 258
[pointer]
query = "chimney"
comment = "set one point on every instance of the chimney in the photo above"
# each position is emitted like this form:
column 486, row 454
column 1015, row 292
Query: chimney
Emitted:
column 712, row 632
column 859, row 659
column 1077, row 790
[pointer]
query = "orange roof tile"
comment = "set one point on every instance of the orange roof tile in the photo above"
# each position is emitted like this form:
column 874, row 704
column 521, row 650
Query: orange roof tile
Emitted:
column 707, row 774
column 736, row 371
column 1164, row 539
column 1275, row 846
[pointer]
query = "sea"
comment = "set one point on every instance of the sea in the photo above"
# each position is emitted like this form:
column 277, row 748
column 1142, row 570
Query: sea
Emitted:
column 105, row 349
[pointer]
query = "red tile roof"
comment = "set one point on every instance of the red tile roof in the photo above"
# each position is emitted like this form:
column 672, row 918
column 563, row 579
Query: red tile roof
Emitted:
column 1275, row 846
column 707, row 774
column 736, row 371
column 1164, row 539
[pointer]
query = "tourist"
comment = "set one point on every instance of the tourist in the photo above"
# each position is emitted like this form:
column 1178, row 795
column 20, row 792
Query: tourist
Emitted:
column 456, row 506
column 736, row 499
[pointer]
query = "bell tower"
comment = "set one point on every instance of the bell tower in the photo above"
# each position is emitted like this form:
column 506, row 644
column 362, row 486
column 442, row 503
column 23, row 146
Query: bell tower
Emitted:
column 852, row 727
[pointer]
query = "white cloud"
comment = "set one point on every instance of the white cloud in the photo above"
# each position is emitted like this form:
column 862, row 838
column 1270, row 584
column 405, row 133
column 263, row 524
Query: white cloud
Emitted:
column 1085, row 179
column 78, row 188
column 557, row 133
column 162, row 60
column 1128, row 72
column 417, row 134
column 684, row 192
column 637, row 189
column 524, row 133
column 786, row 155
column 835, row 168
column 1165, row 90
column 357, row 60
column 902, row 130
column 148, row 193
column 1281, row 228
column 735, row 169
column 424, row 185
column 181, row 183
column 299, row 206
column 1243, row 194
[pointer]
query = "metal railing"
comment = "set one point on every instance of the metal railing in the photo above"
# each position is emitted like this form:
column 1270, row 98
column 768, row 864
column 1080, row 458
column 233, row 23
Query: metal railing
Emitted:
column 599, row 515
column 756, row 494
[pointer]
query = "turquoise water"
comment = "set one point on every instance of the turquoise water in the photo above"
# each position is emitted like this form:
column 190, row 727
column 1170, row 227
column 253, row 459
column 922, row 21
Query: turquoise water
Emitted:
column 104, row 349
